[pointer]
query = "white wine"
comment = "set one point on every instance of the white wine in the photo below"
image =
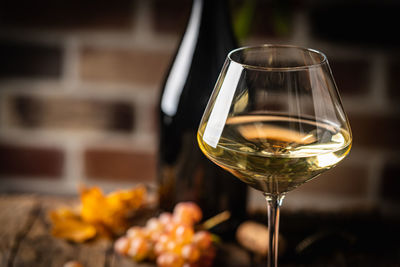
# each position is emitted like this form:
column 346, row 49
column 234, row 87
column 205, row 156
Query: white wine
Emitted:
column 274, row 153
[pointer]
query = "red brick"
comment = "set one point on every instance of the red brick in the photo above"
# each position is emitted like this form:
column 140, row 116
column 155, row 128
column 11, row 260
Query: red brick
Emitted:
column 112, row 164
column 342, row 180
column 376, row 131
column 123, row 65
column 69, row 113
column 19, row 59
column 170, row 16
column 351, row 76
column 67, row 15
column 30, row 161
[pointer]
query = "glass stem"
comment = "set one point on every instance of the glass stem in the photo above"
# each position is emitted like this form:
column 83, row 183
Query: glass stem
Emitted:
column 273, row 203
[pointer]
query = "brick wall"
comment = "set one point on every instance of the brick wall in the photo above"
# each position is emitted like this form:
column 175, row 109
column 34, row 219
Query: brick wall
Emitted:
column 79, row 86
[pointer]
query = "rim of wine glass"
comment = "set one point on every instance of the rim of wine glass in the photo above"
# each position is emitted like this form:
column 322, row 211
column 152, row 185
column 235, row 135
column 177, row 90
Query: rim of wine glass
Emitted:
column 305, row 66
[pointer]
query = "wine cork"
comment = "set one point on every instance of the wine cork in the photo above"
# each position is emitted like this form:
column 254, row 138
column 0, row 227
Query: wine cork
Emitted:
column 254, row 237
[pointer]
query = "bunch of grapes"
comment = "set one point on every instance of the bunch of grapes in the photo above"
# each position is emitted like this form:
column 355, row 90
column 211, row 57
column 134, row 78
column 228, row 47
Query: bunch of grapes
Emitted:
column 170, row 239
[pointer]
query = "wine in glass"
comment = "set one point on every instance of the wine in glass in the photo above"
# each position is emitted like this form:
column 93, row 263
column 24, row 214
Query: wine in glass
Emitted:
column 275, row 120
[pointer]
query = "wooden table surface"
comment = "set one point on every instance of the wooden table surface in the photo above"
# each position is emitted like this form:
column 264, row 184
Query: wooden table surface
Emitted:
column 25, row 238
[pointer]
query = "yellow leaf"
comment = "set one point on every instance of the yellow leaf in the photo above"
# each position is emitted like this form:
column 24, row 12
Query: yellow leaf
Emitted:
column 93, row 205
column 99, row 214
column 113, row 210
column 67, row 225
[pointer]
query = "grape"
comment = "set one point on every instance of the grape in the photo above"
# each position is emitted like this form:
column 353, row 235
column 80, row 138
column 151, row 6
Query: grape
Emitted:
column 187, row 213
column 135, row 231
column 170, row 239
column 191, row 253
column 169, row 259
column 161, row 244
column 202, row 239
column 184, row 234
column 154, row 224
column 122, row 245
column 174, row 246
column 154, row 229
column 164, row 238
column 165, row 218
column 171, row 227
column 183, row 218
column 160, row 248
column 139, row 248
column 154, row 237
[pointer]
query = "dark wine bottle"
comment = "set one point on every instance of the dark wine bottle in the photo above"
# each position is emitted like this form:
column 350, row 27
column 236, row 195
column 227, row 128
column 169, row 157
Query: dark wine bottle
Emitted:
column 184, row 173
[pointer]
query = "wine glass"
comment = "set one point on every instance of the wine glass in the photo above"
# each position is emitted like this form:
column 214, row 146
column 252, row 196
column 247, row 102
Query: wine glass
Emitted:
column 275, row 120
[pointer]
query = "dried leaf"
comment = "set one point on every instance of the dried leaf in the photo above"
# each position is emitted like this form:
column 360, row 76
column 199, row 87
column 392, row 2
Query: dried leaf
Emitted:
column 68, row 225
column 99, row 214
column 113, row 210
column 126, row 199
column 120, row 205
column 93, row 205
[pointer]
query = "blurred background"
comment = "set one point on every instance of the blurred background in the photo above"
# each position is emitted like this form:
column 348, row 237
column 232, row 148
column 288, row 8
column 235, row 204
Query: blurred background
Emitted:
column 80, row 84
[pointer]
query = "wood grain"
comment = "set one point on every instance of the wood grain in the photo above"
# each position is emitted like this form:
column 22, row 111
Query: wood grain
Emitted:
column 16, row 216
column 121, row 261
column 26, row 240
column 40, row 248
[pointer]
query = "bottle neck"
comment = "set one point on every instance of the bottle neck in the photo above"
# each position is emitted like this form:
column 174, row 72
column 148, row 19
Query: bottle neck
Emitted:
column 216, row 21
column 208, row 31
